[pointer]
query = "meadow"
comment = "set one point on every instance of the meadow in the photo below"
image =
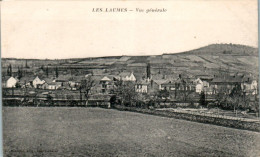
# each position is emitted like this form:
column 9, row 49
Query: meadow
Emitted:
column 64, row 131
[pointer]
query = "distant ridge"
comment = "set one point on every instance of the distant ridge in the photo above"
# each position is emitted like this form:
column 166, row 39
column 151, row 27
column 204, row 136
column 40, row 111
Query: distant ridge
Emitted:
column 208, row 60
column 221, row 49
column 212, row 49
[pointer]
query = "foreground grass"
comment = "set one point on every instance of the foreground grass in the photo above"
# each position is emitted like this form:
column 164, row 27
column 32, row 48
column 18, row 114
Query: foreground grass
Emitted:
column 31, row 131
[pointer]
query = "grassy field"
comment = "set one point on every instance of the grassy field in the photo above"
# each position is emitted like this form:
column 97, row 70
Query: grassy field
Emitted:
column 31, row 131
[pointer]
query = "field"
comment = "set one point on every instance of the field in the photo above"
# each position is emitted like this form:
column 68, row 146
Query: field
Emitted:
column 32, row 131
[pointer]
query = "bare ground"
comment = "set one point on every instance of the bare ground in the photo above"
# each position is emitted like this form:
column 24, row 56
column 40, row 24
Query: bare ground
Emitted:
column 31, row 131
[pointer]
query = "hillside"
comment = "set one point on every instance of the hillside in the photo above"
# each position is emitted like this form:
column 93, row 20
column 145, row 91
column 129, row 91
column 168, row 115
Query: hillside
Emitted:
column 211, row 59
column 224, row 49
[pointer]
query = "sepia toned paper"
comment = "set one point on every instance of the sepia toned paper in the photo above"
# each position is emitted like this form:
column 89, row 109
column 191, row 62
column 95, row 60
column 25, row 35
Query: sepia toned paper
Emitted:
column 187, row 71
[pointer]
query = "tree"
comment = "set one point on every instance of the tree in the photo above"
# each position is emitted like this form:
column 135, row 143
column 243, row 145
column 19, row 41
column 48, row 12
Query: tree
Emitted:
column 42, row 67
column 9, row 70
column 86, row 86
column 56, row 72
column 184, row 91
column 126, row 92
column 235, row 97
column 163, row 95
column 47, row 71
column 233, row 100
column 113, row 100
column 18, row 85
column 202, row 99
column 26, row 65
column 20, row 73
column 148, row 70
column 49, row 99
column 142, row 99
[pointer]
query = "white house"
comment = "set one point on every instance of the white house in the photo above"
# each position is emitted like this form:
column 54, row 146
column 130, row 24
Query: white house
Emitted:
column 106, row 84
column 11, row 82
column 37, row 81
column 127, row 76
column 142, row 86
column 198, row 85
column 254, row 86
column 54, row 85
column 201, row 86
column 250, row 86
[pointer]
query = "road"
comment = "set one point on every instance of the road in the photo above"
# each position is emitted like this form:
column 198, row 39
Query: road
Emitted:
column 53, row 131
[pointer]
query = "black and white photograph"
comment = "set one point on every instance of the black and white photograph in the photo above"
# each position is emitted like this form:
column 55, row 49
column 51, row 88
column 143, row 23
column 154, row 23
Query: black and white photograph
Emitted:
column 130, row 78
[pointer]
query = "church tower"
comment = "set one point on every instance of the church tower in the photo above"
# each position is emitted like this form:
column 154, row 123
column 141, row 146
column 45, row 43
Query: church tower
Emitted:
column 148, row 71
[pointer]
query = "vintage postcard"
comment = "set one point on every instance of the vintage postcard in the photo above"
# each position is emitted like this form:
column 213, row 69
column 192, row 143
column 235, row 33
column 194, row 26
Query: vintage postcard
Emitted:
column 130, row 78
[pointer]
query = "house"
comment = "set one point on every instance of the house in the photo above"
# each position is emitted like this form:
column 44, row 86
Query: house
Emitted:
column 37, row 82
column 9, row 82
column 169, row 85
column 249, row 86
column 157, row 84
column 198, row 85
column 125, row 76
column 48, row 80
column 67, row 87
column 142, row 86
column 75, row 81
column 26, row 81
column 202, row 85
column 45, row 85
column 54, row 85
column 179, row 85
column 106, row 84
column 225, row 84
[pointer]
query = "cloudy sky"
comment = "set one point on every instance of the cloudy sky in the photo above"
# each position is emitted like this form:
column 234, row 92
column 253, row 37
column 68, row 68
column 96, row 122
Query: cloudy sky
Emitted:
column 65, row 29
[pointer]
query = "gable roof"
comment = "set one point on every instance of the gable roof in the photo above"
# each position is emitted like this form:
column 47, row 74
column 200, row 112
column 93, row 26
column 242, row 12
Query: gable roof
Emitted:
column 48, row 80
column 6, row 78
column 227, row 80
column 27, row 78
column 143, row 82
column 159, row 82
column 105, row 78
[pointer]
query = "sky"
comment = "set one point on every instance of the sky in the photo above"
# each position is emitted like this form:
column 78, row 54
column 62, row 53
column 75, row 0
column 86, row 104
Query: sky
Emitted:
column 66, row 29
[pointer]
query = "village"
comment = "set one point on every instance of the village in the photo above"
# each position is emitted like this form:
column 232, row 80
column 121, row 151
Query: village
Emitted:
column 130, row 78
column 54, row 87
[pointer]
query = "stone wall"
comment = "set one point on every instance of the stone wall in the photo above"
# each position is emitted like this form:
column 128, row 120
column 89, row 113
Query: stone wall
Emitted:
column 234, row 123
